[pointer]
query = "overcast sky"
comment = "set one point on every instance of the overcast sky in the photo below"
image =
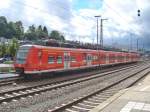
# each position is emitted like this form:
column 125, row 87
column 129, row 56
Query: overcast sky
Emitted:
column 75, row 18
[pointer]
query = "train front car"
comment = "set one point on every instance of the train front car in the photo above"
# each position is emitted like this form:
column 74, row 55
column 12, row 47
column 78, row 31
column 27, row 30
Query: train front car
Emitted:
column 21, row 59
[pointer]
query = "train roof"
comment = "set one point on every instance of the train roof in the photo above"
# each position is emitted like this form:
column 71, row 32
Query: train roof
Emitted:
column 79, row 49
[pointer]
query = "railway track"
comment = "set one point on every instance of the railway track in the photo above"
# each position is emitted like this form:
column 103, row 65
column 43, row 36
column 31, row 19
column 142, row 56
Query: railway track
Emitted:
column 10, row 80
column 7, row 96
column 90, row 100
column 20, row 80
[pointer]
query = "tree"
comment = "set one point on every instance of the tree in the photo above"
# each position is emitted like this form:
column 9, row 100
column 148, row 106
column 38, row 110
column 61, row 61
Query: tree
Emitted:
column 45, row 30
column 19, row 30
column 31, row 33
column 62, row 38
column 13, row 47
column 3, row 49
column 14, row 30
column 56, row 35
column 11, row 32
column 3, row 26
column 9, row 48
column 39, row 32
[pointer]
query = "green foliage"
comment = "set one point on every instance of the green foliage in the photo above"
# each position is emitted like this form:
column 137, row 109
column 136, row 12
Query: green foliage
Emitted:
column 45, row 31
column 11, row 29
column 35, row 34
column 10, row 48
column 3, row 49
column 15, row 31
column 31, row 33
column 3, row 26
column 19, row 30
column 13, row 47
column 7, row 69
column 8, row 62
column 57, row 36
column 41, row 32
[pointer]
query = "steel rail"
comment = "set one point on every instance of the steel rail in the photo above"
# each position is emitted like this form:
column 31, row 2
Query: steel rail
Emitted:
column 81, row 99
column 47, row 87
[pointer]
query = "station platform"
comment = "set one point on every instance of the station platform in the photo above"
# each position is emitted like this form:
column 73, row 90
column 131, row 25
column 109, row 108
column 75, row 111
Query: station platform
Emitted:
column 6, row 65
column 134, row 99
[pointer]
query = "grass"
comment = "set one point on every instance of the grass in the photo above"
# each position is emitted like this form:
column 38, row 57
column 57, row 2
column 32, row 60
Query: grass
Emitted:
column 8, row 62
column 7, row 70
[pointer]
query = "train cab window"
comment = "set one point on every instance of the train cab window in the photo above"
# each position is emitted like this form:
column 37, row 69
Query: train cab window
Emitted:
column 59, row 59
column 51, row 60
column 22, row 54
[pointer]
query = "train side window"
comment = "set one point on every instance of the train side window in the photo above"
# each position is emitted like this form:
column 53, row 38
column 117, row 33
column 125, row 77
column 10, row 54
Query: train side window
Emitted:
column 51, row 60
column 84, row 58
column 73, row 59
column 95, row 58
column 66, row 58
column 59, row 59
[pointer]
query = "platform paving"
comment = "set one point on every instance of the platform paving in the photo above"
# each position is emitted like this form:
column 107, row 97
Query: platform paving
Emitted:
column 134, row 99
column 6, row 65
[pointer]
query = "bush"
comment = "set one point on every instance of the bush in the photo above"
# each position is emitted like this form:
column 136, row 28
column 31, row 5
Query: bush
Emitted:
column 8, row 62
column 7, row 70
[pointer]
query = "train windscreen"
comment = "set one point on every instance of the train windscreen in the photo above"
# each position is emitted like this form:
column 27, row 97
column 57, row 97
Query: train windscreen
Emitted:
column 22, row 54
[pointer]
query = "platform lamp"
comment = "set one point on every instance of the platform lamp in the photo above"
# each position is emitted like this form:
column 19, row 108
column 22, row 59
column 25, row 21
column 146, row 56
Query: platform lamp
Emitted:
column 97, row 17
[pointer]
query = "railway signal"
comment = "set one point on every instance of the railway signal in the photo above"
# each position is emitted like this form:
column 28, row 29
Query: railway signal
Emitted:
column 139, row 12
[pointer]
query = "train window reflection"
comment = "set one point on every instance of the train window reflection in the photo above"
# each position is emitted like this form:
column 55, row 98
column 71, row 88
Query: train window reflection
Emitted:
column 51, row 60
column 22, row 55
column 59, row 59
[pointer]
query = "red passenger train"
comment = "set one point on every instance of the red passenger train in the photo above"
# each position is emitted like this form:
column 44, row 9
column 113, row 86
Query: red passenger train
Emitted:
column 35, row 59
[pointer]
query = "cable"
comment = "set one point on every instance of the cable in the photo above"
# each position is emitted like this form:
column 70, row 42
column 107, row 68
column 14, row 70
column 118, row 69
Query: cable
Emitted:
column 45, row 11
column 118, row 14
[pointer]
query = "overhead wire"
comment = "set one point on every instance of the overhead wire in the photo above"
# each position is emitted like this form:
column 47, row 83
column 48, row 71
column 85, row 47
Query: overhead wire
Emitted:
column 47, row 12
column 124, row 19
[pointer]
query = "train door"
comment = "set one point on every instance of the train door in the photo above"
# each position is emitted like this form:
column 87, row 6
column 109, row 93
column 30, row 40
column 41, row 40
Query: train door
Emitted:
column 66, row 60
column 125, row 58
column 40, row 57
column 89, row 59
column 116, row 58
column 107, row 58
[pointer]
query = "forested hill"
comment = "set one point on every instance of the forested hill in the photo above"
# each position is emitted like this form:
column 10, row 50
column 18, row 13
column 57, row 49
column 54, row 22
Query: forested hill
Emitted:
column 10, row 29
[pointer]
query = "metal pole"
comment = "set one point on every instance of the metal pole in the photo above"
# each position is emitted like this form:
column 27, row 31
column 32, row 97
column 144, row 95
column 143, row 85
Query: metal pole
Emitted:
column 97, row 39
column 131, row 41
column 97, row 29
column 137, row 44
column 101, row 33
column 97, row 33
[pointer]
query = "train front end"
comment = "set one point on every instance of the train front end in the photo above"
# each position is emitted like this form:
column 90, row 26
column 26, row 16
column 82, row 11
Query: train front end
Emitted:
column 22, row 59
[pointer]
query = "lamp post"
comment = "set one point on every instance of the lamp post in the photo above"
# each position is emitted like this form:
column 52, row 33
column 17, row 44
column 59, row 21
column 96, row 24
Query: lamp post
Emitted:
column 130, row 41
column 101, row 32
column 97, row 17
column 137, row 44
